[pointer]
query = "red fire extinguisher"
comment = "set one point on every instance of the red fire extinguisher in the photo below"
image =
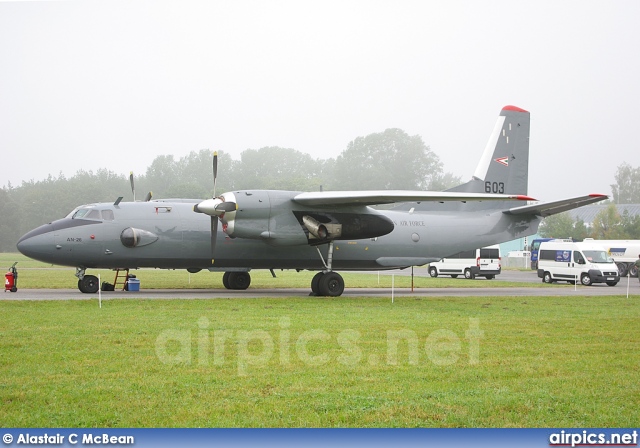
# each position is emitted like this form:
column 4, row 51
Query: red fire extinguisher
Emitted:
column 11, row 279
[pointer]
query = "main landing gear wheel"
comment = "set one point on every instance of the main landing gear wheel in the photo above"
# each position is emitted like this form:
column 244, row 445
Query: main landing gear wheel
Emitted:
column 88, row 284
column 329, row 284
column 225, row 280
column 315, row 284
column 236, row 280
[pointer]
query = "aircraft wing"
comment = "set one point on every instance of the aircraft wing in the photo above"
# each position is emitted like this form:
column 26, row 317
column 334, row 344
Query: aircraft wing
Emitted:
column 375, row 197
column 545, row 209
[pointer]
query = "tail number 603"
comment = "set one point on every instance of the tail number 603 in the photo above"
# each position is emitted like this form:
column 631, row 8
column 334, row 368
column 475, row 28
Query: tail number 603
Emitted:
column 494, row 187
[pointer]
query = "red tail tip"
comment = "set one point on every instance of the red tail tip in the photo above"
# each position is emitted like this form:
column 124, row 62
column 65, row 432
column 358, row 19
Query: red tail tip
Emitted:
column 522, row 197
column 598, row 195
column 514, row 109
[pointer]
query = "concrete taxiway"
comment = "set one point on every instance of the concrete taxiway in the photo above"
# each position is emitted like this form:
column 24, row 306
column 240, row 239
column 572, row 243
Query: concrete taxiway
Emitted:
column 554, row 290
column 526, row 278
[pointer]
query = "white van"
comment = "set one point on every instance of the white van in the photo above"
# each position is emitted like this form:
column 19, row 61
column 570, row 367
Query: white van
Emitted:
column 483, row 262
column 585, row 262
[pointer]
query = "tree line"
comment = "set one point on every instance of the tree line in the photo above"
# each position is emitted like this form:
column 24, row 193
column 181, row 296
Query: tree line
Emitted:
column 387, row 160
column 609, row 223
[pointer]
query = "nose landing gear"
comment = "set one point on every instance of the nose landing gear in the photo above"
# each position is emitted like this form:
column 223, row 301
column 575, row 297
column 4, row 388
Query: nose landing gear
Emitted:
column 87, row 284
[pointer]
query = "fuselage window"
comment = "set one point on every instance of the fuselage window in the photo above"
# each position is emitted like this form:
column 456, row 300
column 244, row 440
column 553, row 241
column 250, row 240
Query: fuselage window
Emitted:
column 107, row 215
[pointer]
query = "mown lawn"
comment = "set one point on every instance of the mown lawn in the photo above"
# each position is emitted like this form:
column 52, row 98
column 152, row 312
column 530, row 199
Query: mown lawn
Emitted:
column 318, row 362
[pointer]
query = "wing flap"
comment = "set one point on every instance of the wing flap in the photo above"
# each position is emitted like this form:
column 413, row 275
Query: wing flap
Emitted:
column 545, row 209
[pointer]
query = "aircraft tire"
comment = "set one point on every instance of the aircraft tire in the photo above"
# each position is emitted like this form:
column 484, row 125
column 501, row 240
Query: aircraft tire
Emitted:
column 89, row 284
column 315, row 283
column 331, row 285
column 225, row 280
column 239, row 280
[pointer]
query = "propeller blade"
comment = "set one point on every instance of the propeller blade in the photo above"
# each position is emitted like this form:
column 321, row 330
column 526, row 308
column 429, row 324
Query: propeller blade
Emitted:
column 214, row 235
column 148, row 197
column 215, row 171
column 133, row 190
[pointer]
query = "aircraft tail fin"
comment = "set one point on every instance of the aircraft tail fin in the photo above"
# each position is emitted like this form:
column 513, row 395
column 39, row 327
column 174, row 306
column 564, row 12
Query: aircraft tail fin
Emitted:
column 504, row 165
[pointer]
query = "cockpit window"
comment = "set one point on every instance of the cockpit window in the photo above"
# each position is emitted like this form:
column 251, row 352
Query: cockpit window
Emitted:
column 81, row 213
column 92, row 213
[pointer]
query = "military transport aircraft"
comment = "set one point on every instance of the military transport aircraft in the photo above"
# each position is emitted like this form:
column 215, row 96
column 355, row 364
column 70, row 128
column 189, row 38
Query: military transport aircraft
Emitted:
column 324, row 231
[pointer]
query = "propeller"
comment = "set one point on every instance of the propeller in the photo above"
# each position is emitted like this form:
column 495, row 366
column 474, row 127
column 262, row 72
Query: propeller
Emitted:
column 133, row 190
column 215, row 207
column 147, row 198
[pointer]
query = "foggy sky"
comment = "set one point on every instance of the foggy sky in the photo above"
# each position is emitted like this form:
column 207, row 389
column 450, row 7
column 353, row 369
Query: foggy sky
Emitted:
column 108, row 84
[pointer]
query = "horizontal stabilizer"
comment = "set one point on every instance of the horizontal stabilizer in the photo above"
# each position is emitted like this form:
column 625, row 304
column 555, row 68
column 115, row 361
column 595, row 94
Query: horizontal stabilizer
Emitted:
column 376, row 197
column 545, row 209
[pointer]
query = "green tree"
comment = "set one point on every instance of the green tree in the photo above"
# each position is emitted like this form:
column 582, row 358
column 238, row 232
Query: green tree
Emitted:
column 557, row 226
column 626, row 190
column 387, row 160
column 607, row 225
column 630, row 225
column 9, row 221
column 441, row 182
column 580, row 231
column 278, row 169
column 189, row 177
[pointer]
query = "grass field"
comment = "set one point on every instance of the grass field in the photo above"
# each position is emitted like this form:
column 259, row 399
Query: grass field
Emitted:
column 315, row 362
column 312, row 362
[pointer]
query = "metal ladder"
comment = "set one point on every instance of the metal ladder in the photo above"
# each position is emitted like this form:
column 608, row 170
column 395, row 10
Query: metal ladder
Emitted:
column 123, row 278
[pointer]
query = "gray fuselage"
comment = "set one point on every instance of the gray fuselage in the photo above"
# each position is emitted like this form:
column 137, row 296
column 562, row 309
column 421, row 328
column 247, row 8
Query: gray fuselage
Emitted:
column 167, row 234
